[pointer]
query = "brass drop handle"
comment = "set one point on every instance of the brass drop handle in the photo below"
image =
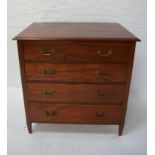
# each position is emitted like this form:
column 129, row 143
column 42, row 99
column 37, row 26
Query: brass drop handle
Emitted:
column 105, row 73
column 52, row 113
column 98, row 93
column 48, row 93
column 100, row 114
column 47, row 52
column 51, row 72
column 104, row 54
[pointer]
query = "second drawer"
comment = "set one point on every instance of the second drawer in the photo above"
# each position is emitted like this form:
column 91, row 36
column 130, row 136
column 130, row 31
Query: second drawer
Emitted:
column 109, row 94
column 96, row 73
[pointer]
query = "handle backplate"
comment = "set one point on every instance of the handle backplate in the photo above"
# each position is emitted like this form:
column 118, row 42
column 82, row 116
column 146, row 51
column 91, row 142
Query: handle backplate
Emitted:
column 51, row 113
column 104, row 54
column 105, row 93
column 49, row 93
column 105, row 73
column 50, row 72
column 48, row 52
column 100, row 114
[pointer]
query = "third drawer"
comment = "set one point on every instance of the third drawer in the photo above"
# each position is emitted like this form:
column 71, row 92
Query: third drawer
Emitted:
column 77, row 93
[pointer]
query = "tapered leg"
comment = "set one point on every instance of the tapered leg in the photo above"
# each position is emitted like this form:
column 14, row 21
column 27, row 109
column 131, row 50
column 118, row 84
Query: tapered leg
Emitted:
column 121, row 127
column 29, row 126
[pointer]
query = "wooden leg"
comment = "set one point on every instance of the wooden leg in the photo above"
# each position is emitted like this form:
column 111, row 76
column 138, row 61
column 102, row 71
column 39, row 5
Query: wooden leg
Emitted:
column 29, row 126
column 121, row 126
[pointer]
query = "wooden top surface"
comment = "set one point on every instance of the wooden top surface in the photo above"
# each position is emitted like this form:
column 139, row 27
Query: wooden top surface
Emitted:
column 76, row 31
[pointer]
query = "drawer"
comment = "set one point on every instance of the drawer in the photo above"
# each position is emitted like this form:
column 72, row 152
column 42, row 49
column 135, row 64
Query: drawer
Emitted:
column 108, row 94
column 74, row 52
column 68, row 113
column 115, row 73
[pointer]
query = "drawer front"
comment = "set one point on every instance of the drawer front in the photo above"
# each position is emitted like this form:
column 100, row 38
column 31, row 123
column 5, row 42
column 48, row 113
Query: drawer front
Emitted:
column 75, row 93
column 67, row 113
column 74, row 52
column 115, row 73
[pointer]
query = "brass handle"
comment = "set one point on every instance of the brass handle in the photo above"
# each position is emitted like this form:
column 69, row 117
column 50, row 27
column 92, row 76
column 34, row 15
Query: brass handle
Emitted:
column 104, row 54
column 98, row 93
column 47, row 93
column 48, row 53
column 100, row 114
column 51, row 72
column 52, row 113
column 99, row 73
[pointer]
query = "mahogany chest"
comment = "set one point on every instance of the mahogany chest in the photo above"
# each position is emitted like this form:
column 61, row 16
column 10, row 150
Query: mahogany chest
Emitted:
column 76, row 72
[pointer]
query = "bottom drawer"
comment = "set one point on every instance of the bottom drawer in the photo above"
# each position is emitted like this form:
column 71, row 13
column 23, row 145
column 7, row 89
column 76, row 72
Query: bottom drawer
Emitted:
column 67, row 113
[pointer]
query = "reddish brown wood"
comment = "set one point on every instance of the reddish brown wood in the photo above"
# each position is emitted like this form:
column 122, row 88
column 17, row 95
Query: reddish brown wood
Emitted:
column 127, row 87
column 68, row 81
column 23, row 79
column 76, row 31
column 73, row 51
column 99, row 73
column 68, row 113
column 75, row 93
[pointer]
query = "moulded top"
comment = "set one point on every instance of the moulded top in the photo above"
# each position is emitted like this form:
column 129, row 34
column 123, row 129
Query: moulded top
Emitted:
column 76, row 31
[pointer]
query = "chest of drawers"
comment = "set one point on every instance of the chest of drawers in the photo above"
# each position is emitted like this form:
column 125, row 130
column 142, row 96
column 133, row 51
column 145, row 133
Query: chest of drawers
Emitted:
column 76, row 72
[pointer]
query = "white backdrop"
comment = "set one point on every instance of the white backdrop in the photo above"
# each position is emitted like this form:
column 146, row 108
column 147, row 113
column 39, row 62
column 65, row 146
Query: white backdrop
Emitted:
column 132, row 15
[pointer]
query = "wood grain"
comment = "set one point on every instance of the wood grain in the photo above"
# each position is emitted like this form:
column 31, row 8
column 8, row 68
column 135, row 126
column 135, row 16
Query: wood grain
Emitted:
column 76, row 31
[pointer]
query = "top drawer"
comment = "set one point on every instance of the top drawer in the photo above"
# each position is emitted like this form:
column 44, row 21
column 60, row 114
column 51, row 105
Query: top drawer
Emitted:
column 76, row 51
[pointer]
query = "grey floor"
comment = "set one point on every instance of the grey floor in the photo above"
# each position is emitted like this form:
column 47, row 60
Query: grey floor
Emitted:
column 60, row 139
